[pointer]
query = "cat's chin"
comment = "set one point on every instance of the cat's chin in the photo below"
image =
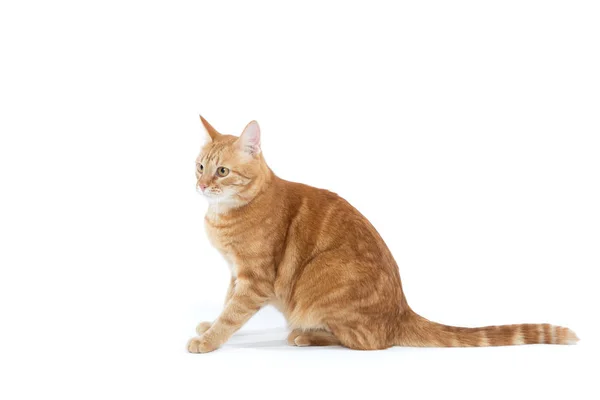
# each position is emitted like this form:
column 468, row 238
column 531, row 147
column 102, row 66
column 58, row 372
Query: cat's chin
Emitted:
column 209, row 195
column 222, row 200
column 215, row 198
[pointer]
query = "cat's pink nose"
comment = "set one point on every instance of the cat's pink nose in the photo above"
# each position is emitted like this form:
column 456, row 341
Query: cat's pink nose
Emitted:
column 202, row 186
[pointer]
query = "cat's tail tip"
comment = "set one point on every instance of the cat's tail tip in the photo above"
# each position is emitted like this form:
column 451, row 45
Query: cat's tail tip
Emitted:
column 571, row 337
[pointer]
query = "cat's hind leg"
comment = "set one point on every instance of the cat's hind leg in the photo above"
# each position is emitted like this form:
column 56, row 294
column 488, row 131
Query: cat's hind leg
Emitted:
column 301, row 338
column 365, row 336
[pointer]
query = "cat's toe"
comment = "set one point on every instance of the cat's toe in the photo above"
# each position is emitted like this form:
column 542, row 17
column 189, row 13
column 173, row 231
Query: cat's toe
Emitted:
column 302, row 340
column 200, row 344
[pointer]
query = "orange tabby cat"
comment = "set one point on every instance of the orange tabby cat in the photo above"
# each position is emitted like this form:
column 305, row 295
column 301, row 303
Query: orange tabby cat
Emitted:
column 317, row 259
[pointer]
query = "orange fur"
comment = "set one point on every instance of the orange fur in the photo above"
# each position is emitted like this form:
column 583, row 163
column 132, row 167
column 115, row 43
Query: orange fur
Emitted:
column 318, row 260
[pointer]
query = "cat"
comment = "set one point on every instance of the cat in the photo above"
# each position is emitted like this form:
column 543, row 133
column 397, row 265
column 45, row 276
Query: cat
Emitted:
column 314, row 257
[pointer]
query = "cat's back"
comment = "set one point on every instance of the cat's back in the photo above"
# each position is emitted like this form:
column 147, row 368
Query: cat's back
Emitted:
column 300, row 196
column 325, row 219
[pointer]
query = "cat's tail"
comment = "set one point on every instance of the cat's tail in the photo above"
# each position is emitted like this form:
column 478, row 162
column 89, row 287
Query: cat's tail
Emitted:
column 420, row 332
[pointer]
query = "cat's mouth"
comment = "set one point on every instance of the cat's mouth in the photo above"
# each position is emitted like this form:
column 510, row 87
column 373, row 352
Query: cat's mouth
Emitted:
column 208, row 192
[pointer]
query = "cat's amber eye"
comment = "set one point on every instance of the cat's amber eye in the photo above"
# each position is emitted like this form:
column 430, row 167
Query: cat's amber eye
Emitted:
column 200, row 167
column 222, row 171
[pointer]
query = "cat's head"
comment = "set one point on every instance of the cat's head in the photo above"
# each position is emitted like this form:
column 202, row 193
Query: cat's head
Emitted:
column 230, row 169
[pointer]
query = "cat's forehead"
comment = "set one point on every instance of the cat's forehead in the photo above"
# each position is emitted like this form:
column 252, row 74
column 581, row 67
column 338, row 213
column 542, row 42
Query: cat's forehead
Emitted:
column 218, row 151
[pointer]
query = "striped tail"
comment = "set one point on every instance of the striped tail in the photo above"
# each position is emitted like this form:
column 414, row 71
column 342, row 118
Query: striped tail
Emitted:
column 420, row 332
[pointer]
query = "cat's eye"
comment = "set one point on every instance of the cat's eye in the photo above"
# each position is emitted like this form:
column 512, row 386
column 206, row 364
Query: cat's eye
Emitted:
column 222, row 171
column 200, row 167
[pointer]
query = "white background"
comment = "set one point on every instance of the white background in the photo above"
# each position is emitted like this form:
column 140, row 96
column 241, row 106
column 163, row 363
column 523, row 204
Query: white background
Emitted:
column 467, row 132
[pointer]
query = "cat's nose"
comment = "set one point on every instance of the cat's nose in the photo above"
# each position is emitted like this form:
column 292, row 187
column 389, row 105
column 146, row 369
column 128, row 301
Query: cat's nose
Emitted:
column 202, row 186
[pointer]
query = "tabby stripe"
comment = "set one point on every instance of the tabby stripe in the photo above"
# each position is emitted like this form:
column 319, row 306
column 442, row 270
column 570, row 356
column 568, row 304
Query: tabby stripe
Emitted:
column 484, row 339
column 518, row 336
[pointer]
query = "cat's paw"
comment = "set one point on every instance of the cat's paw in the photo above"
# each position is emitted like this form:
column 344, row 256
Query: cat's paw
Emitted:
column 203, row 327
column 291, row 339
column 298, row 338
column 200, row 344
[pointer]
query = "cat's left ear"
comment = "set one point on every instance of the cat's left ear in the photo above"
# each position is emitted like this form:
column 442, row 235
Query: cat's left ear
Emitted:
column 249, row 140
column 211, row 133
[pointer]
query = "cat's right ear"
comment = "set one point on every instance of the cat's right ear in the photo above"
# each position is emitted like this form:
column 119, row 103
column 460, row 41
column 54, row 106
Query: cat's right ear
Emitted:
column 211, row 133
column 249, row 140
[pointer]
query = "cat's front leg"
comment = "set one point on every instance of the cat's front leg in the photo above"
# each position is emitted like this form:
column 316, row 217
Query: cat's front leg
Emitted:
column 230, row 290
column 247, row 298
column 204, row 326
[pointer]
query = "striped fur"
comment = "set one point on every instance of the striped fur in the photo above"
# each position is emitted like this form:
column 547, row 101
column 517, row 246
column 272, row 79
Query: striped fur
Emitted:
column 429, row 334
column 312, row 255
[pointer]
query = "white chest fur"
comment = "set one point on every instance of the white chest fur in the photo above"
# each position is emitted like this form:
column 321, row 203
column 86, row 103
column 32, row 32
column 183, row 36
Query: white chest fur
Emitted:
column 232, row 268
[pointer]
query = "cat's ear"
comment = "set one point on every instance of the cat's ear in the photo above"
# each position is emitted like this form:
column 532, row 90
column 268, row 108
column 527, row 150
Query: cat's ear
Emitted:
column 211, row 133
column 249, row 140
